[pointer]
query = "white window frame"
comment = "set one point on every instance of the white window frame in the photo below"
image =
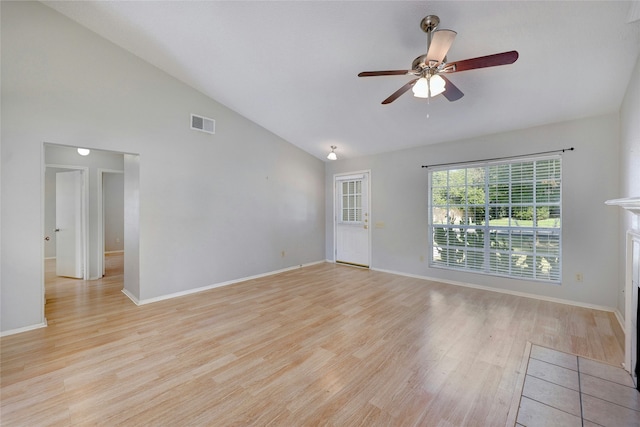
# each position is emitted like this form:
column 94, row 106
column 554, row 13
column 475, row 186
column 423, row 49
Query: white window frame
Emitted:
column 351, row 211
column 484, row 263
column 357, row 219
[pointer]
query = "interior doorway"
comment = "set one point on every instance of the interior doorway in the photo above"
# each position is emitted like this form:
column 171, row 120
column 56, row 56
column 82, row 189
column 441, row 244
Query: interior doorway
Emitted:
column 110, row 200
column 98, row 265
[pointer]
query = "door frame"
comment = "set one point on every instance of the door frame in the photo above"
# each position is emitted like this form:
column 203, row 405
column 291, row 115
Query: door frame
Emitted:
column 100, row 219
column 84, row 226
column 131, row 280
column 335, row 213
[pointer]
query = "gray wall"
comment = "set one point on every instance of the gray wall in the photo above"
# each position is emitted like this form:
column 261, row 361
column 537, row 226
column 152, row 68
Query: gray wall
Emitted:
column 590, row 228
column 213, row 208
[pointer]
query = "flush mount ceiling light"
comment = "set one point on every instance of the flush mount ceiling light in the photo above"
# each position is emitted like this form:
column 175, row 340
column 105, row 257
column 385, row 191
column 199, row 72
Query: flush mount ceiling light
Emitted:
column 332, row 155
column 84, row 151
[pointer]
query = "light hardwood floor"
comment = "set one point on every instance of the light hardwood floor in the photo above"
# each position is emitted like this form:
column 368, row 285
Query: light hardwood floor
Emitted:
column 321, row 345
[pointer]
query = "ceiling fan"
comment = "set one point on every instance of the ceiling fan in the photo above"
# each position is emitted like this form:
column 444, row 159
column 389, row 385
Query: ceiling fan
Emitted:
column 430, row 68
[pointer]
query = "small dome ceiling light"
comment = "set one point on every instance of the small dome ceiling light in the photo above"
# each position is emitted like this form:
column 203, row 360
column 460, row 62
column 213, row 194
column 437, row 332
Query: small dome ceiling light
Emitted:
column 332, row 155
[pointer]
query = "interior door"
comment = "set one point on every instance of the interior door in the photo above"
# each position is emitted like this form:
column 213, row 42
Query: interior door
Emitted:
column 352, row 219
column 69, row 241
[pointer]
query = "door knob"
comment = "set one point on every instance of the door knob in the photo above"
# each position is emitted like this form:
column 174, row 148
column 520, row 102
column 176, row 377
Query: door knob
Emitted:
column 47, row 238
column 366, row 226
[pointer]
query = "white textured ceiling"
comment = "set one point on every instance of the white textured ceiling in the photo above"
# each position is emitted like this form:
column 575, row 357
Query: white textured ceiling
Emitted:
column 292, row 66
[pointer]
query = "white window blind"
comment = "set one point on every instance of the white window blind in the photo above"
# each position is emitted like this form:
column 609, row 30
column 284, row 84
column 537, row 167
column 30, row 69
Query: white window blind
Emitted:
column 501, row 218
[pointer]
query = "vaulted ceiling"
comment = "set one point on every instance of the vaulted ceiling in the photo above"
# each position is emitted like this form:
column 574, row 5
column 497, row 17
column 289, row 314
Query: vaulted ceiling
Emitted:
column 292, row 66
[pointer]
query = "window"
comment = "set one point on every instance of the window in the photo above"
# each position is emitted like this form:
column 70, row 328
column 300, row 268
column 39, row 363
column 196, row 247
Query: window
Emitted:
column 351, row 201
column 498, row 218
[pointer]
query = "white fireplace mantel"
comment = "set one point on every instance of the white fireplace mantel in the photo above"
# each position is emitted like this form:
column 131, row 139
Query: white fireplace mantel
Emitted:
column 632, row 283
column 631, row 204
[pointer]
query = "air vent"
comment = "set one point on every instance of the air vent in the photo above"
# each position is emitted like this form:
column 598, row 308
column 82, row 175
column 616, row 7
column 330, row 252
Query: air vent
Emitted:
column 203, row 124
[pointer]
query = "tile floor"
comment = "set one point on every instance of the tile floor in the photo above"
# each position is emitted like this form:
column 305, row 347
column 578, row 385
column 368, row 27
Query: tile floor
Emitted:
column 562, row 389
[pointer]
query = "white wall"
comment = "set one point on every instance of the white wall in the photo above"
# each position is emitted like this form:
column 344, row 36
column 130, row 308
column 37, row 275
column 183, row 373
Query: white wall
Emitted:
column 590, row 228
column 213, row 208
column 629, row 165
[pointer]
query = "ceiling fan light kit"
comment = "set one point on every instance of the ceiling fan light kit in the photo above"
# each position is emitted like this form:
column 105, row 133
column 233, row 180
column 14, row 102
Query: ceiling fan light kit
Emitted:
column 332, row 155
column 427, row 87
column 429, row 69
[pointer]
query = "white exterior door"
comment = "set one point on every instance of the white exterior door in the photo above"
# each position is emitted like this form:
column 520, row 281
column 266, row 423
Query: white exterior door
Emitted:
column 69, row 239
column 352, row 219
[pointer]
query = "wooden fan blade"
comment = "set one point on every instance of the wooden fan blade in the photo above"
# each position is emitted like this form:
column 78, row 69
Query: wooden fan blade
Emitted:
column 451, row 91
column 496, row 59
column 384, row 73
column 440, row 44
column 395, row 95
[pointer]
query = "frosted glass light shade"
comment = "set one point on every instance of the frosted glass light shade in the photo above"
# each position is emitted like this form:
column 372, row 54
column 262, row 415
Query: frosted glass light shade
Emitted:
column 332, row 155
column 437, row 84
column 84, row 151
column 421, row 88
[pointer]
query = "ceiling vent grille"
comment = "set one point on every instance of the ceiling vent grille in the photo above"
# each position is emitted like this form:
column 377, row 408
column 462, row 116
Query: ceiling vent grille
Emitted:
column 203, row 124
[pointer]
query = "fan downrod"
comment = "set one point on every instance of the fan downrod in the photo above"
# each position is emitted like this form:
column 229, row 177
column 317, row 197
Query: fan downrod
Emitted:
column 429, row 23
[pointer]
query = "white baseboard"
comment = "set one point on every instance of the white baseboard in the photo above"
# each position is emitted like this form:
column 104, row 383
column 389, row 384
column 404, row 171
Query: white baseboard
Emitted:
column 114, row 252
column 505, row 291
column 620, row 319
column 129, row 295
column 25, row 329
column 215, row 285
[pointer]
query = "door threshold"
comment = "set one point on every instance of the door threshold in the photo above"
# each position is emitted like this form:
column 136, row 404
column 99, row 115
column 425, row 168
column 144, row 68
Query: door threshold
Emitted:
column 353, row 264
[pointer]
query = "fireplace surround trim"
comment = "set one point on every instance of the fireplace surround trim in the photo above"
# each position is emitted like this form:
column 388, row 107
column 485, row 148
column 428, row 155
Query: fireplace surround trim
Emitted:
column 632, row 237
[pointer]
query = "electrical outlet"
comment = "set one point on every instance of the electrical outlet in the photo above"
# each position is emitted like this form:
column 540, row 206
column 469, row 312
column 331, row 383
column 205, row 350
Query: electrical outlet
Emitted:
column 282, row 254
column 579, row 277
column 421, row 258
